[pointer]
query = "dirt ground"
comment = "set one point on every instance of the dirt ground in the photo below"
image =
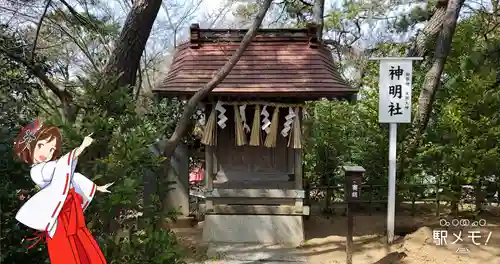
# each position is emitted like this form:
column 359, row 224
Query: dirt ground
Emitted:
column 417, row 247
column 325, row 241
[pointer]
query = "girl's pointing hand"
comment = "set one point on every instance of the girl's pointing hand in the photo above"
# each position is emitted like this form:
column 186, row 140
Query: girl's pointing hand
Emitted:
column 104, row 188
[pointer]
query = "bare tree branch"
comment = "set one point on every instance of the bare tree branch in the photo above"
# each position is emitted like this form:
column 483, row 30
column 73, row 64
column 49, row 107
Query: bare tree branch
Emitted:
column 38, row 27
column 35, row 71
column 83, row 20
column 146, row 73
column 43, row 93
column 169, row 18
column 12, row 17
column 39, row 106
column 83, row 49
column 15, row 12
column 186, row 15
column 278, row 18
column 64, row 96
column 221, row 13
column 139, row 83
column 318, row 13
column 305, row 3
column 346, row 49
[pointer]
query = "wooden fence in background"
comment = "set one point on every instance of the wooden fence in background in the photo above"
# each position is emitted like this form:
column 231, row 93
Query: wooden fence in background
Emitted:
column 411, row 198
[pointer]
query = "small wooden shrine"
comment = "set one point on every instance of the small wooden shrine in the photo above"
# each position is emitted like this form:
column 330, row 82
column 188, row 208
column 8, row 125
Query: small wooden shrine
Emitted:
column 252, row 126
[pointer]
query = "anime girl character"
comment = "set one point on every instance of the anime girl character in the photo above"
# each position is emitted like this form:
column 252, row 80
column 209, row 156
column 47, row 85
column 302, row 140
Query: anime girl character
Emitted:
column 56, row 210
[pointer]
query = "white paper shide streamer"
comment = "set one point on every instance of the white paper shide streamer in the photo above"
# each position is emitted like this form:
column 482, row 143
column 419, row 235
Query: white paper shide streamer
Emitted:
column 265, row 120
column 222, row 118
column 288, row 122
column 242, row 108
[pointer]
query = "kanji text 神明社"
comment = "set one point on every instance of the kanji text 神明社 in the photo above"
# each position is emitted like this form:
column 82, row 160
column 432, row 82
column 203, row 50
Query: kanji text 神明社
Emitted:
column 396, row 74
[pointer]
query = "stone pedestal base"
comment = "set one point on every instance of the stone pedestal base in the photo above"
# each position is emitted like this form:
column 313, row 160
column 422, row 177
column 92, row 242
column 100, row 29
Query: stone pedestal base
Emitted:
column 262, row 229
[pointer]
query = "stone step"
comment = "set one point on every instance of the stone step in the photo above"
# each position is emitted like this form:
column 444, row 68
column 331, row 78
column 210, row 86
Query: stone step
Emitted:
column 255, row 253
column 181, row 222
column 249, row 262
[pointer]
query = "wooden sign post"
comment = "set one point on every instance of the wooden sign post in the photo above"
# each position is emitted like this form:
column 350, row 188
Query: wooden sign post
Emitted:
column 353, row 179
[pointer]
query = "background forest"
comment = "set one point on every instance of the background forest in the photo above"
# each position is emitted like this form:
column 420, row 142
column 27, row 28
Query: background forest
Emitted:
column 89, row 66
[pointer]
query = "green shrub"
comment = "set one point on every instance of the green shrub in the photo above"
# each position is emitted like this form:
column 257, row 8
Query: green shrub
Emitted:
column 145, row 246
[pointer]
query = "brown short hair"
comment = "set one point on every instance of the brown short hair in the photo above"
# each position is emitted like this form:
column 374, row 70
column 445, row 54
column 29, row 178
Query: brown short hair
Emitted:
column 24, row 149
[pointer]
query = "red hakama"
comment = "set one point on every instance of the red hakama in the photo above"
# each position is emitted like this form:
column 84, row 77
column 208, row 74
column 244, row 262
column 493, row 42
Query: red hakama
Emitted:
column 72, row 242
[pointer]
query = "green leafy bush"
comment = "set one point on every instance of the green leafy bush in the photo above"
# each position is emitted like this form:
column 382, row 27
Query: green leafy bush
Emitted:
column 145, row 246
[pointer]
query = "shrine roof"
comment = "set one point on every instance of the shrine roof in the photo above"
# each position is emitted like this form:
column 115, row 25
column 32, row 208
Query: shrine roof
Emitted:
column 278, row 62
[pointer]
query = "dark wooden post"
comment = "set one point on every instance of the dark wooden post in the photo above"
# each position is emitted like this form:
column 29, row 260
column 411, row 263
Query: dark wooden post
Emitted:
column 215, row 162
column 370, row 204
column 299, row 202
column 413, row 198
column 298, row 174
column 353, row 178
column 307, row 196
column 209, row 168
column 438, row 202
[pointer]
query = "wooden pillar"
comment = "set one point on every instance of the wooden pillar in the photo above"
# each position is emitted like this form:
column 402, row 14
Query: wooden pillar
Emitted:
column 350, row 231
column 215, row 165
column 353, row 180
column 299, row 202
column 209, row 168
column 297, row 171
column 290, row 161
column 298, row 168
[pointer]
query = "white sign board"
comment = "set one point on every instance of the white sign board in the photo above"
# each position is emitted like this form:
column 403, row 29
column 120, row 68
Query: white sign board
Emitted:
column 395, row 91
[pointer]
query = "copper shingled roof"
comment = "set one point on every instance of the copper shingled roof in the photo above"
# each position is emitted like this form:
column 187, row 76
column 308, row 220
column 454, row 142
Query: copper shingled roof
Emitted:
column 278, row 62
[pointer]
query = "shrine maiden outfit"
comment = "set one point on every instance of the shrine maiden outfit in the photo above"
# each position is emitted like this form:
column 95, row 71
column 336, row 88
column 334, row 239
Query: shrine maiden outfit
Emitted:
column 57, row 211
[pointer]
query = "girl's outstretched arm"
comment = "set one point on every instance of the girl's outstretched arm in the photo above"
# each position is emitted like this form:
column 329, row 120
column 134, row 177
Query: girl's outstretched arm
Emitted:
column 85, row 143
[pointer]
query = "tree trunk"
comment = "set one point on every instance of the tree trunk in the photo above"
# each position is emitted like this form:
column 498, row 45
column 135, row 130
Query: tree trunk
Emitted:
column 420, row 48
column 479, row 195
column 432, row 79
column 318, row 12
column 122, row 67
column 454, row 208
column 125, row 58
column 123, row 63
column 430, row 31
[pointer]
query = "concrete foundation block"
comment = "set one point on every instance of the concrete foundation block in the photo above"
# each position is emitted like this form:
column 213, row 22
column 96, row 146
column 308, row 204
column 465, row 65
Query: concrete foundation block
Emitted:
column 263, row 229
